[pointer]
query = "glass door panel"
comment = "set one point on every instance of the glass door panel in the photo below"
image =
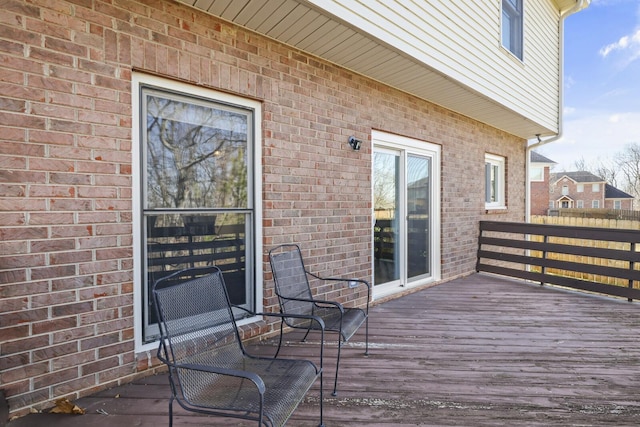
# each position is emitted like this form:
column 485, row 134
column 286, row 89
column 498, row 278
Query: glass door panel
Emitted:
column 387, row 226
column 418, row 224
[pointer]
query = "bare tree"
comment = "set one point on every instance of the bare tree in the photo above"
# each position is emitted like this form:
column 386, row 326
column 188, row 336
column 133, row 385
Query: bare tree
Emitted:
column 628, row 163
column 606, row 169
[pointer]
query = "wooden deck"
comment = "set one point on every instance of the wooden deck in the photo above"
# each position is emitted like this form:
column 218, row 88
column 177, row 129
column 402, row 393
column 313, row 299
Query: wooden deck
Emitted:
column 477, row 351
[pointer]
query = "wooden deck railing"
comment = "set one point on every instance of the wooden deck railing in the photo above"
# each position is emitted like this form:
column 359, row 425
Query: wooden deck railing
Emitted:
column 601, row 260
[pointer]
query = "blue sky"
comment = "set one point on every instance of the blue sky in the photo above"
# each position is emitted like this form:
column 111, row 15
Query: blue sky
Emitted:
column 601, row 84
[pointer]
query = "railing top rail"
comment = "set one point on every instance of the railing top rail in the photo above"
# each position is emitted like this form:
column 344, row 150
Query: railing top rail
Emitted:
column 575, row 232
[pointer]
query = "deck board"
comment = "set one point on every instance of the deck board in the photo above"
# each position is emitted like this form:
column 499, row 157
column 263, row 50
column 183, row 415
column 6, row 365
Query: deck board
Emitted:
column 476, row 351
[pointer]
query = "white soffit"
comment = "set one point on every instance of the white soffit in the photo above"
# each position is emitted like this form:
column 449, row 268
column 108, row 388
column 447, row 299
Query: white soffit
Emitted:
column 299, row 24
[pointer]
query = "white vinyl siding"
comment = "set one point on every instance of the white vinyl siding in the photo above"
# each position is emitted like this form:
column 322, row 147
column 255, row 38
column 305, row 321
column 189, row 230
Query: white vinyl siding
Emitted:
column 463, row 40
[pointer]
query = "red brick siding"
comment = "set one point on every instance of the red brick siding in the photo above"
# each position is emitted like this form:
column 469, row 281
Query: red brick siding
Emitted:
column 66, row 282
column 540, row 195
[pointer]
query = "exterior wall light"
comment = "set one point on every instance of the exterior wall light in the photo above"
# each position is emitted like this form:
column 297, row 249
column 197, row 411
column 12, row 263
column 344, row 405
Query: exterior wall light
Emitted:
column 355, row 143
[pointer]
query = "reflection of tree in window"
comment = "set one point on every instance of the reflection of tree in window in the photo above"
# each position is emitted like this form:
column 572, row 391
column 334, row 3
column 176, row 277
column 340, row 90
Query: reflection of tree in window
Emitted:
column 384, row 185
column 196, row 156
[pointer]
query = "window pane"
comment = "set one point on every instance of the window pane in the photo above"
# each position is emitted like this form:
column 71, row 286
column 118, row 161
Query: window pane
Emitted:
column 179, row 241
column 512, row 25
column 196, row 155
column 506, row 31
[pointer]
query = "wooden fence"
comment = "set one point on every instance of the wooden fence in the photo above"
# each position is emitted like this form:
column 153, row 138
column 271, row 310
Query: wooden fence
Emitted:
column 596, row 259
column 626, row 214
column 574, row 221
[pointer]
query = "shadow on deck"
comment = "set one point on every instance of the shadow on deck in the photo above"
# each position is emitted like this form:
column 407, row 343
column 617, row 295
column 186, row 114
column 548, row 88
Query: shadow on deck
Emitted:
column 476, row 351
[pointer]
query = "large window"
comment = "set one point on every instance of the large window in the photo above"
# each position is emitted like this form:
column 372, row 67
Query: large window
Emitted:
column 494, row 182
column 512, row 26
column 198, row 189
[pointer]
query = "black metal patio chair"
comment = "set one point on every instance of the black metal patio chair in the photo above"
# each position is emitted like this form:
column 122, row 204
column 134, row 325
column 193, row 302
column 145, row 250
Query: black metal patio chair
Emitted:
column 295, row 297
column 209, row 369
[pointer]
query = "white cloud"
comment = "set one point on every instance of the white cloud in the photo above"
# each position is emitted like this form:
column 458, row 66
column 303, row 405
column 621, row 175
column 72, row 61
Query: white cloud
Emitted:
column 597, row 136
column 629, row 45
column 569, row 81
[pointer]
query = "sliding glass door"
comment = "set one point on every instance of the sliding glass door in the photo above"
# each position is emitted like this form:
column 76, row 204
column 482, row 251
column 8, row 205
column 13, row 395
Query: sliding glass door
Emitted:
column 406, row 212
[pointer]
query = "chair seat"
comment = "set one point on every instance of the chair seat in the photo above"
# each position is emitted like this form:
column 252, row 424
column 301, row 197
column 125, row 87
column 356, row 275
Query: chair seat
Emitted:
column 286, row 382
column 352, row 320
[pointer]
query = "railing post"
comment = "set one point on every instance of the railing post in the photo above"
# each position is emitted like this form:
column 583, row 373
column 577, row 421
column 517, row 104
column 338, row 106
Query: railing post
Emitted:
column 544, row 257
column 632, row 248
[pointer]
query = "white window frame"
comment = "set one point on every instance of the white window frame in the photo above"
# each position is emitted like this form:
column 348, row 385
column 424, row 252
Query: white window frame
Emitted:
column 595, row 204
column 595, row 188
column 515, row 35
column 617, row 204
column 580, row 204
column 580, row 188
column 496, row 164
column 138, row 80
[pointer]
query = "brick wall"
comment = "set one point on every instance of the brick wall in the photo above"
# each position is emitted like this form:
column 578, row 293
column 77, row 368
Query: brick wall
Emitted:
column 540, row 195
column 66, row 282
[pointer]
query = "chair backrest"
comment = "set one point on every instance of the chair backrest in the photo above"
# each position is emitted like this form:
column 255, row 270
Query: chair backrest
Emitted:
column 290, row 277
column 196, row 320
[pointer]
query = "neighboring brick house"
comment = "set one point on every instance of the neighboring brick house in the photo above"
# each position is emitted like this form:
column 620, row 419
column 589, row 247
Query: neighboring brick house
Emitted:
column 582, row 190
column 539, row 173
column 140, row 137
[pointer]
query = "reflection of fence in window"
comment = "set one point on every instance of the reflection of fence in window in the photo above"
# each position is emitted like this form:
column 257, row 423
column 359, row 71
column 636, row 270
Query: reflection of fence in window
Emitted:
column 176, row 242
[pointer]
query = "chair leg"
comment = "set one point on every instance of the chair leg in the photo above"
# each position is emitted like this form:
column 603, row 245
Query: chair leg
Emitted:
column 171, row 412
column 280, row 341
column 366, row 337
column 335, row 381
column 304, row 339
column 321, row 400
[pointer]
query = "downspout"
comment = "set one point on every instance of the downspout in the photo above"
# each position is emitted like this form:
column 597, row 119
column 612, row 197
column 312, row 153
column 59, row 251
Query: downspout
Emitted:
column 538, row 142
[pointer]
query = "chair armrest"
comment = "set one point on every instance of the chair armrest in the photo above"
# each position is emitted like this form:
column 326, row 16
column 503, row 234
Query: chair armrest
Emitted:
column 340, row 279
column 345, row 279
column 251, row 376
column 283, row 315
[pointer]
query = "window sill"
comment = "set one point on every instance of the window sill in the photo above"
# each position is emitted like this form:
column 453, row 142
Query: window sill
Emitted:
column 496, row 210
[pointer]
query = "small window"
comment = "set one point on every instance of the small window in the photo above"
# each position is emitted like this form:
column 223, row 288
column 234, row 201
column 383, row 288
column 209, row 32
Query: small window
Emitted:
column 595, row 204
column 580, row 204
column 494, row 176
column 565, row 190
column 551, row 204
column 595, row 188
column 617, row 204
column 512, row 26
column 536, row 174
column 580, row 188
